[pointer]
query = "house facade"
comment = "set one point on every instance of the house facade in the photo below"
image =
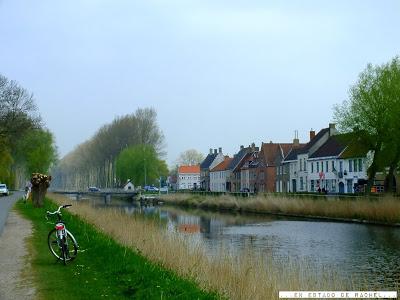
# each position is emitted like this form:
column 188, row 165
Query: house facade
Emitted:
column 188, row 177
column 211, row 161
column 219, row 175
column 326, row 163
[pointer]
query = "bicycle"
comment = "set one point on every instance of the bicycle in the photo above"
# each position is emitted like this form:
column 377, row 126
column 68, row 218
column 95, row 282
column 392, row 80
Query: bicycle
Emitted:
column 62, row 243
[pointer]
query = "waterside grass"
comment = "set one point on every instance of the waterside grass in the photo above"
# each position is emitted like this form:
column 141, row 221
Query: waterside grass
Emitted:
column 103, row 268
column 245, row 275
column 384, row 210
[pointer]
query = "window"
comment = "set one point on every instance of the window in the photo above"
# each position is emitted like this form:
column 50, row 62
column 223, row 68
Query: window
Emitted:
column 360, row 165
column 326, row 165
column 312, row 167
column 355, row 165
column 317, row 166
column 312, row 185
column 333, row 166
column 301, row 183
column 322, row 166
column 304, row 165
column 300, row 165
column 341, row 166
column 350, row 165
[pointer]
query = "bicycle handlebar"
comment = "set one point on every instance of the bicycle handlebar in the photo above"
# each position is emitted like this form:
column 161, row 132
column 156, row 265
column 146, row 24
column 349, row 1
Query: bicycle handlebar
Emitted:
column 58, row 211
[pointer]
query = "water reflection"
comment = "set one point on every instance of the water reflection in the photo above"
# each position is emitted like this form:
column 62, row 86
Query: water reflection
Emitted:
column 366, row 253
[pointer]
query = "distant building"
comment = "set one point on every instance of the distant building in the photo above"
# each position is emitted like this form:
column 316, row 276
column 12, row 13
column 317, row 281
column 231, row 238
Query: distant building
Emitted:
column 129, row 186
column 219, row 175
column 212, row 160
column 329, row 162
column 188, row 177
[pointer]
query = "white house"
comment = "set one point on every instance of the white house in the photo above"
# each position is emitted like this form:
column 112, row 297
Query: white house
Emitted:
column 219, row 175
column 336, row 168
column 129, row 186
column 188, row 177
column 327, row 163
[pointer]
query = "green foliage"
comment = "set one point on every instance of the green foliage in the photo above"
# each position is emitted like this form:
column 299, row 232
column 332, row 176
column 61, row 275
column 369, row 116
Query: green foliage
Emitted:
column 372, row 113
column 93, row 162
column 6, row 162
column 141, row 165
column 102, row 269
column 37, row 151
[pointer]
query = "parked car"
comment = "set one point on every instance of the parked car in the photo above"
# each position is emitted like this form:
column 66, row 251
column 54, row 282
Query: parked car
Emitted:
column 4, row 190
column 164, row 189
column 150, row 188
column 93, row 189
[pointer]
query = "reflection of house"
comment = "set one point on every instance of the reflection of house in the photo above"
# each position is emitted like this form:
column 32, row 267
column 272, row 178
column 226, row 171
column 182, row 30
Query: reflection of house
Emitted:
column 188, row 177
column 211, row 161
column 129, row 186
column 219, row 175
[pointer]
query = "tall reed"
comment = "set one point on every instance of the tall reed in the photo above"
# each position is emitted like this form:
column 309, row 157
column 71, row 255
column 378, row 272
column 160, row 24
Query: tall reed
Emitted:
column 243, row 276
column 381, row 210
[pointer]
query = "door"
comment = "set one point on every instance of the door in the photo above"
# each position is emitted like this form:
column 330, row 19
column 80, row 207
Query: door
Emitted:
column 341, row 187
column 294, row 188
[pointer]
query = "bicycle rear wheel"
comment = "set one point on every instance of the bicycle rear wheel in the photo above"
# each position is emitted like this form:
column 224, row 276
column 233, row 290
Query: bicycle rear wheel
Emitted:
column 69, row 248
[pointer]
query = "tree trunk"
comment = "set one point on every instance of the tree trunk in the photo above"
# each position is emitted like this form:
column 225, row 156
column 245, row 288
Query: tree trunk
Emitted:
column 40, row 183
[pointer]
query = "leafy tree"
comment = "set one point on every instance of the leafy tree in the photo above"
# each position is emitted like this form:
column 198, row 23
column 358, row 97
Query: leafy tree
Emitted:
column 190, row 157
column 6, row 162
column 18, row 112
column 36, row 151
column 371, row 114
column 141, row 165
column 93, row 162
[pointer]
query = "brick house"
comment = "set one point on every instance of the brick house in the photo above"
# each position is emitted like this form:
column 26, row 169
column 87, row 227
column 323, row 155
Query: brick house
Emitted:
column 269, row 159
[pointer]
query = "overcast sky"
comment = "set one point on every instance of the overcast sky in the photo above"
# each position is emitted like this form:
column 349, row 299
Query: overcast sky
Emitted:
column 219, row 73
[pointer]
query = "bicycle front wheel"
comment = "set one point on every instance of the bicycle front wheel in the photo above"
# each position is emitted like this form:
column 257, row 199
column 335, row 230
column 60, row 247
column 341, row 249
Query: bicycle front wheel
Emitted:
column 69, row 247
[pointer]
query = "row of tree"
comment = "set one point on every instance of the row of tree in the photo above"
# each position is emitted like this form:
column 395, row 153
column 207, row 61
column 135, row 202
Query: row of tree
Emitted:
column 132, row 143
column 372, row 117
column 26, row 146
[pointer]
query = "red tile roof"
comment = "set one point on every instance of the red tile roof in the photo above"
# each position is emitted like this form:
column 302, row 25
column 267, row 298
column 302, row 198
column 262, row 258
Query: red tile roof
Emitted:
column 189, row 169
column 222, row 166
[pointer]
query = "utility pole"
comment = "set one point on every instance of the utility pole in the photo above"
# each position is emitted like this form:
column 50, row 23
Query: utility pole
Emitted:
column 145, row 174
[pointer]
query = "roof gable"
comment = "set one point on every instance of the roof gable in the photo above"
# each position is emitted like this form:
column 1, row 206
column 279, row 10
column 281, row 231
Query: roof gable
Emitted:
column 189, row 169
column 208, row 161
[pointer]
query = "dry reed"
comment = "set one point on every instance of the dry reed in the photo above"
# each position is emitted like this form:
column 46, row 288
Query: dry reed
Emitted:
column 385, row 210
column 243, row 276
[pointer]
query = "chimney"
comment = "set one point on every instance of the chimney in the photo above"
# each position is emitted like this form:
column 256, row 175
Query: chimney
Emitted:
column 312, row 134
column 210, row 150
column 215, row 151
column 296, row 142
column 220, row 150
column 332, row 129
column 253, row 146
column 241, row 147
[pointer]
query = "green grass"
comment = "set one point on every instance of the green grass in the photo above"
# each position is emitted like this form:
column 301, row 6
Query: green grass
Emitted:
column 102, row 269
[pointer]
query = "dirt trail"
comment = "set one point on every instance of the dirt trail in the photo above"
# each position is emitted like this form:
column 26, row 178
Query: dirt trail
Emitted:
column 14, row 282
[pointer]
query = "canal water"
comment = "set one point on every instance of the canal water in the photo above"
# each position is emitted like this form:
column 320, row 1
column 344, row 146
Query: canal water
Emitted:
column 366, row 254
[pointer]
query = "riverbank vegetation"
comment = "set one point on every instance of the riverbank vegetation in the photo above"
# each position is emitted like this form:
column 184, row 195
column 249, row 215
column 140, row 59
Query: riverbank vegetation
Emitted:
column 103, row 267
column 93, row 163
column 385, row 210
column 26, row 146
column 239, row 275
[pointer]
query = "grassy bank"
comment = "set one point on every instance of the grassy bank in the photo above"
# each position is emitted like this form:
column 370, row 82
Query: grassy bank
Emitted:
column 103, row 268
column 385, row 210
column 243, row 275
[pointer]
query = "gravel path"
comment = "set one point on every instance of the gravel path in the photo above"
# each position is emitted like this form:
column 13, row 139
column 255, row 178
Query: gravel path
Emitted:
column 15, row 280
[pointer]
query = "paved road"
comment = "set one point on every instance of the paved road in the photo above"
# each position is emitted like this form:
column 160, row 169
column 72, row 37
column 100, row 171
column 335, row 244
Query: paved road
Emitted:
column 6, row 203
